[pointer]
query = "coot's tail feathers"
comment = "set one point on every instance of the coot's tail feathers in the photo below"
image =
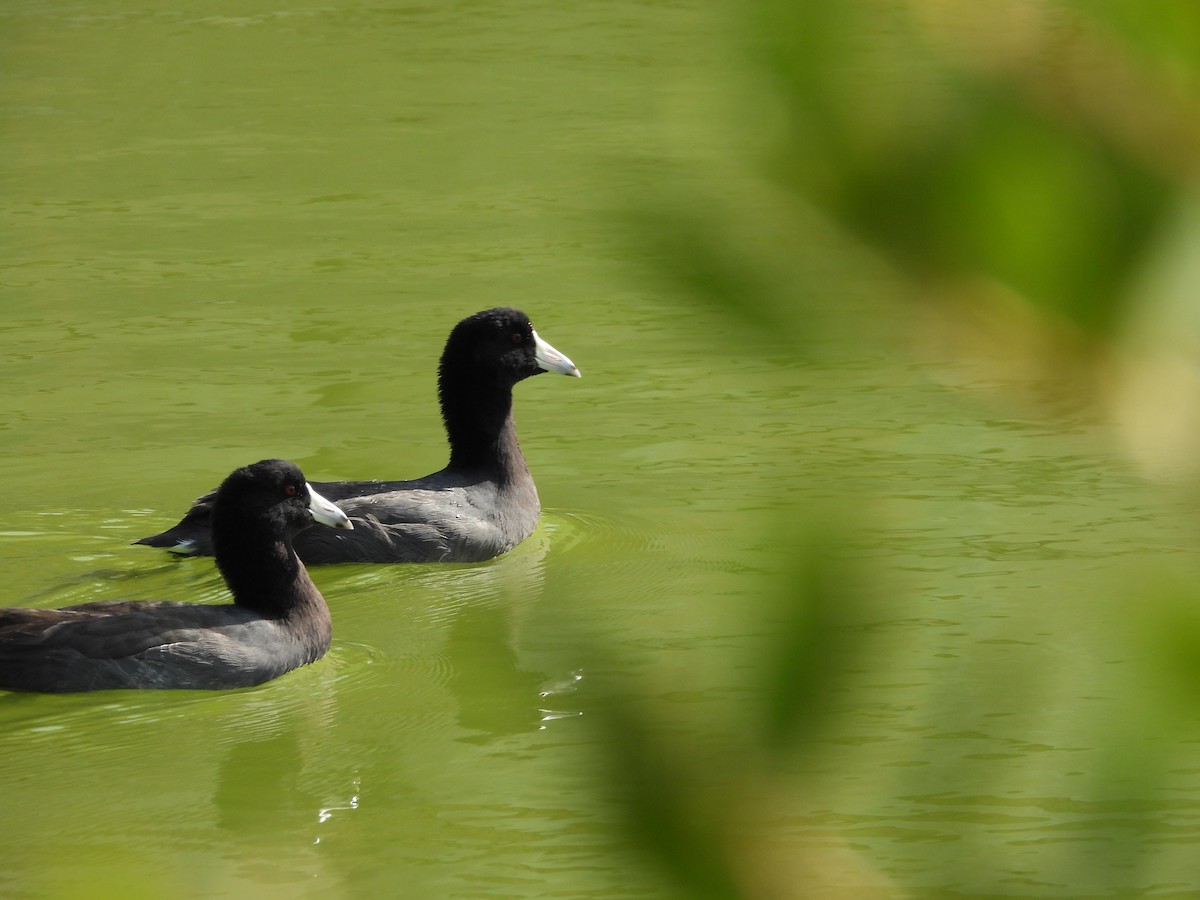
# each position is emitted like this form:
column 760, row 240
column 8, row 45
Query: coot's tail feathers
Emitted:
column 192, row 535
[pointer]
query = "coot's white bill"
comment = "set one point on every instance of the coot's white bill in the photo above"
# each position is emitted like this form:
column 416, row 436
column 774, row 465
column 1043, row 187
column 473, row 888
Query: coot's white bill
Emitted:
column 551, row 360
column 325, row 512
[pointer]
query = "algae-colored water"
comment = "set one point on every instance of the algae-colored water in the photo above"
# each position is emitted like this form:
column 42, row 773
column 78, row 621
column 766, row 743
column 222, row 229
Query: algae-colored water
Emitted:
column 239, row 230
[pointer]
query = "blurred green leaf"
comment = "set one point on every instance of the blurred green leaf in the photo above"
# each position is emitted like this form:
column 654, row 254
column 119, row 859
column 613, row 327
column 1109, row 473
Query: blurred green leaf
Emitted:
column 1016, row 163
column 668, row 813
column 815, row 644
column 1164, row 33
column 951, row 170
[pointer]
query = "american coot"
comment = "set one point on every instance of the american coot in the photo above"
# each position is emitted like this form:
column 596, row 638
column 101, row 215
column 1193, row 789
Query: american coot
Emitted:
column 482, row 504
column 278, row 619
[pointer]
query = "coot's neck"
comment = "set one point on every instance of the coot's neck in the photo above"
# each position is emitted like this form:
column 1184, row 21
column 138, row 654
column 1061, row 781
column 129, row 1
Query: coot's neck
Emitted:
column 477, row 412
column 263, row 571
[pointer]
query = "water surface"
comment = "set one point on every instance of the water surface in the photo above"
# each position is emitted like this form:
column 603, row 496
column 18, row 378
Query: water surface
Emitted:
column 243, row 231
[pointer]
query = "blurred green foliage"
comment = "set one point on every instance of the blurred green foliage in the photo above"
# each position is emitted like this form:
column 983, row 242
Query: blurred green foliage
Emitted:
column 1014, row 168
column 955, row 163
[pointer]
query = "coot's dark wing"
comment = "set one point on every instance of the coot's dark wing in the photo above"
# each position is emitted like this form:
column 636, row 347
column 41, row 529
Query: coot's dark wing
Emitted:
column 192, row 535
column 396, row 522
column 127, row 644
column 438, row 518
column 115, row 628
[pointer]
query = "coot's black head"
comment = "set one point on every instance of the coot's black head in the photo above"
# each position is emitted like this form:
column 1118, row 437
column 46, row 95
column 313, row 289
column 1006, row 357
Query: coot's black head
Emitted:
column 501, row 344
column 272, row 493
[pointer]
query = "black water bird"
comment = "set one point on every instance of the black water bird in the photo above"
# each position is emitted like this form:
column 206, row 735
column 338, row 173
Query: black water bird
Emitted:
column 482, row 504
column 278, row 619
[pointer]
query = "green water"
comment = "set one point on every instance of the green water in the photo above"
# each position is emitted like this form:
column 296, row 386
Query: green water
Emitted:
column 238, row 230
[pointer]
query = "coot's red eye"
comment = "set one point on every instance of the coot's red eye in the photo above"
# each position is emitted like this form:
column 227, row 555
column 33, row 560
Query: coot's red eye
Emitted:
column 517, row 337
column 290, row 490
